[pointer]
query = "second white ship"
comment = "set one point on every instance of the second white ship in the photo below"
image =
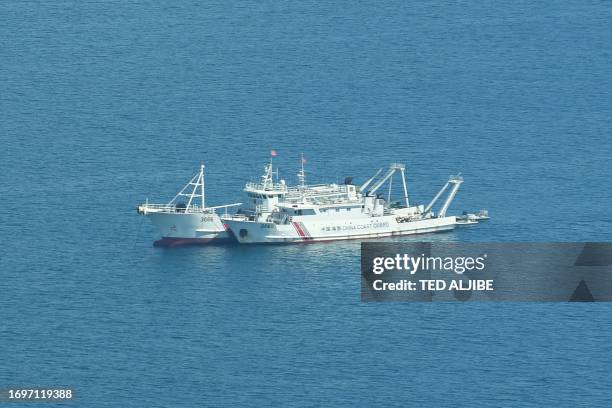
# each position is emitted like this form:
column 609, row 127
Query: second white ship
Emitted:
column 190, row 222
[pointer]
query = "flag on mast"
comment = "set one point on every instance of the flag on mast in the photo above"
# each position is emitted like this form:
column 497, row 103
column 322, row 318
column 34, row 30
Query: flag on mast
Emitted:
column 304, row 161
column 273, row 153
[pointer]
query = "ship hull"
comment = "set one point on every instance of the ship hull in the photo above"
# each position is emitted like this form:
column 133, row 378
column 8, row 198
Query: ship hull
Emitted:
column 305, row 230
column 179, row 229
column 170, row 242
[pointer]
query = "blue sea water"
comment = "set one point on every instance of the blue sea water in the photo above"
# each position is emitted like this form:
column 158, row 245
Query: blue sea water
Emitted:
column 106, row 103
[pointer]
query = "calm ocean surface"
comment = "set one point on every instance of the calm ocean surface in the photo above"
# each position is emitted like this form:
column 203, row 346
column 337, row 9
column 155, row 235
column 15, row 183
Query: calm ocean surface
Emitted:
column 103, row 104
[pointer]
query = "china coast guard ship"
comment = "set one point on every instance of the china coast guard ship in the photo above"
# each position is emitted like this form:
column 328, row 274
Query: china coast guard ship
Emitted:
column 324, row 212
column 190, row 223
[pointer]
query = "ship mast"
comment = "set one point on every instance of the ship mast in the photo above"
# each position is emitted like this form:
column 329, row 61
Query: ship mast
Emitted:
column 405, row 188
column 202, row 188
column 194, row 189
column 198, row 183
column 267, row 180
column 302, row 173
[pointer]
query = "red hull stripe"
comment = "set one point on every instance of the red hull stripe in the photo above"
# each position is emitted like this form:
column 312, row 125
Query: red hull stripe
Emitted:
column 301, row 230
column 297, row 227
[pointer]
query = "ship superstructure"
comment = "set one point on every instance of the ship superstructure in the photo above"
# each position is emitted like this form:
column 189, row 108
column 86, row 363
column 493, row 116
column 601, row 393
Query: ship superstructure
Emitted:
column 186, row 219
column 279, row 214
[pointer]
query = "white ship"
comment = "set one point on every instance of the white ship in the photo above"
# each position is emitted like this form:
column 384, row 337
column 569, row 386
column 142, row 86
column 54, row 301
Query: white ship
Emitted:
column 190, row 222
column 325, row 212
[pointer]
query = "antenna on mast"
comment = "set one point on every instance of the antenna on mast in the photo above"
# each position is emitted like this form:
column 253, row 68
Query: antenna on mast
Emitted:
column 202, row 185
column 302, row 173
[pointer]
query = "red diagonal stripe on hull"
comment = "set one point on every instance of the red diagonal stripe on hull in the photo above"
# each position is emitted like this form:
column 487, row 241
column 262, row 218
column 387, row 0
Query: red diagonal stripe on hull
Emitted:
column 299, row 230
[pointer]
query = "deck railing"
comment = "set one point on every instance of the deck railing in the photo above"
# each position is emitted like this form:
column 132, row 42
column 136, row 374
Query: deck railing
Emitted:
column 266, row 187
column 173, row 208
